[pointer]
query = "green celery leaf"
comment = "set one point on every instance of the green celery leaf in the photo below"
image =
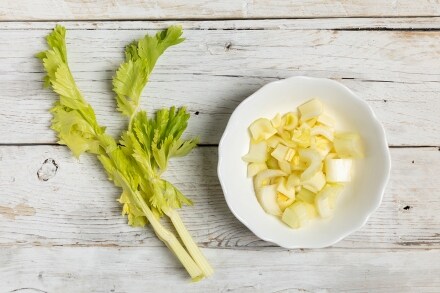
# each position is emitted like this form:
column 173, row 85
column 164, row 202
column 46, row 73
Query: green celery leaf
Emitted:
column 141, row 57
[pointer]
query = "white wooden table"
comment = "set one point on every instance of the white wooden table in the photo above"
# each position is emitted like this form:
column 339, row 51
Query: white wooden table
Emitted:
column 60, row 225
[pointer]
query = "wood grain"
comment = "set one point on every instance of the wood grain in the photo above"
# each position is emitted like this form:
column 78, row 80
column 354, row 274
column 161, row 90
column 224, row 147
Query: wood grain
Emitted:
column 203, row 9
column 214, row 70
column 352, row 23
column 144, row 269
column 74, row 205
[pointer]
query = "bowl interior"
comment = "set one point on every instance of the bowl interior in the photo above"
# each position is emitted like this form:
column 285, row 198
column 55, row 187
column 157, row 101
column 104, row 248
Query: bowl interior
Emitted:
column 360, row 197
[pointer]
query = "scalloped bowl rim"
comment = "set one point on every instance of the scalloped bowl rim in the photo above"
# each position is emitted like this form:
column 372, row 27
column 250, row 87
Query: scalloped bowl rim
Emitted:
column 263, row 234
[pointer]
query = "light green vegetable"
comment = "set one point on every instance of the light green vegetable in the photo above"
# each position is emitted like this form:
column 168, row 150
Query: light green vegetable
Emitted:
column 287, row 191
column 262, row 129
column 263, row 177
column 298, row 214
column 257, row 153
column 349, row 145
column 325, row 131
column 338, row 170
column 325, row 200
column 316, row 183
column 310, row 109
column 326, row 120
column 255, row 168
column 313, row 160
column 267, row 196
column 138, row 161
column 306, row 195
column 306, row 161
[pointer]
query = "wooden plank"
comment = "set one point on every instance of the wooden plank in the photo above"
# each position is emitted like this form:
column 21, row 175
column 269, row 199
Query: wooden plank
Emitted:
column 145, row 269
column 69, row 203
column 214, row 70
column 352, row 23
column 203, row 9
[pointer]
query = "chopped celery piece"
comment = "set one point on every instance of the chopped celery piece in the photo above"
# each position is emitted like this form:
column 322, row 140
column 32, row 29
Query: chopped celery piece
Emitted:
column 281, row 152
column 272, row 163
column 323, row 205
column 262, row 129
column 276, row 180
column 284, row 166
column 282, row 188
column 267, row 196
column 332, row 156
column 313, row 160
column 297, row 165
column 276, row 121
column 321, row 145
column 274, row 140
column 326, row 120
column 293, row 181
column 337, row 190
column 255, row 168
column 310, row 109
column 284, row 201
column 348, row 144
column 316, row 183
column 298, row 214
column 289, row 155
column 306, row 195
column 310, row 122
column 338, row 170
column 325, row 131
column 301, row 137
column 290, row 121
column 263, row 177
column 325, row 200
column 257, row 153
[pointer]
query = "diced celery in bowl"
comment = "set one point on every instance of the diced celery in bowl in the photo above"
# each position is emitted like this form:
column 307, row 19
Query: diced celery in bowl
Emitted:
column 303, row 162
column 300, row 163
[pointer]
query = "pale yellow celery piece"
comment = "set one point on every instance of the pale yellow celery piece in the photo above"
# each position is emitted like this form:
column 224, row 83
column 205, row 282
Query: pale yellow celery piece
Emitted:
column 338, row 170
column 283, row 201
column 262, row 129
column 306, row 195
column 298, row 214
column 284, row 166
column 316, row 183
column 280, row 152
column 323, row 198
column 263, row 177
column 290, row 121
column 272, row 163
column 325, row 131
column 326, row 120
column 267, row 196
column 257, row 153
column 276, row 121
column 348, row 144
column 293, row 181
column 313, row 160
column 254, row 168
column 282, row 188
column 310, row 109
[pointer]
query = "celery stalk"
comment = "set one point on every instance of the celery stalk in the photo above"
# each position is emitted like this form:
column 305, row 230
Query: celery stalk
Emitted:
column 192, row 247
column 137, row 161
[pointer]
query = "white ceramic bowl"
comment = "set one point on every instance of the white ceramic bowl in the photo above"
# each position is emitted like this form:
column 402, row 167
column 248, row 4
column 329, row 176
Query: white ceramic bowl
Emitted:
column 361, row 197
